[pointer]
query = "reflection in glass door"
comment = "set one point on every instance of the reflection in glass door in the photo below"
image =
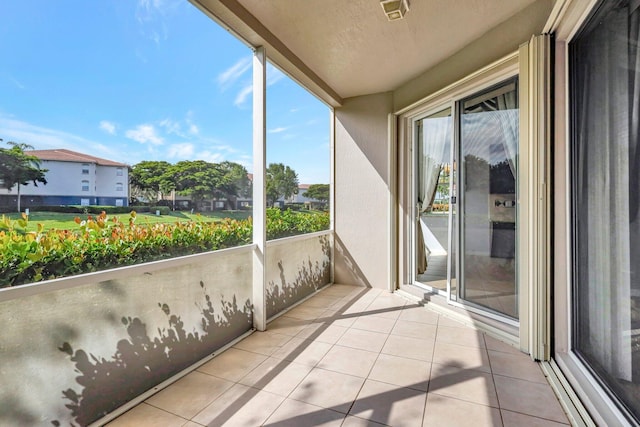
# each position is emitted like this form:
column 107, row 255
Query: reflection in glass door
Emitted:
column 434, row 135
column 488, row 211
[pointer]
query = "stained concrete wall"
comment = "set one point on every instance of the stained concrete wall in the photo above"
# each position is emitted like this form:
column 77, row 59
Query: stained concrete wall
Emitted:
column 362, row 180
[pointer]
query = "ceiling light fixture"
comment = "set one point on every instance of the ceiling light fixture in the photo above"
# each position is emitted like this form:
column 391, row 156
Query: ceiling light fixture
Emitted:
column 395, row 9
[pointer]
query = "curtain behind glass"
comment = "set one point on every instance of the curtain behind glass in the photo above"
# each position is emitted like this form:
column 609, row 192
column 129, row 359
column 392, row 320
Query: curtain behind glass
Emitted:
column 434, row 151
column 607, row 186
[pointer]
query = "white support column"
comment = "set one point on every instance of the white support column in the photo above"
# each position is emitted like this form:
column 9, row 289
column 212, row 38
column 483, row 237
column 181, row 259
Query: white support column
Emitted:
column 259, row 188
column 332, row 189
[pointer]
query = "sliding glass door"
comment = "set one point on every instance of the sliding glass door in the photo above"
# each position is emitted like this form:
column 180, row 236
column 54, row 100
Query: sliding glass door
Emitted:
column 488, row 182
column 472, row 207
column 605, row 107
column 433, row 136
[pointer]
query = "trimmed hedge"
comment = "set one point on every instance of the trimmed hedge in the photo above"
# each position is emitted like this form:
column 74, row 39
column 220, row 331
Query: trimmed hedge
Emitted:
column 102, row 243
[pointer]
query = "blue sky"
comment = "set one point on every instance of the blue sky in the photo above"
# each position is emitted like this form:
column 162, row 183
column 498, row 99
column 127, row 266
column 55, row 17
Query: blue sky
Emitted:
column 133, row 80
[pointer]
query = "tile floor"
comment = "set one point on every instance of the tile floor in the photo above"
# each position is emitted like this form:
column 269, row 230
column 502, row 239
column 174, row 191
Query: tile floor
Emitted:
column 352, row 356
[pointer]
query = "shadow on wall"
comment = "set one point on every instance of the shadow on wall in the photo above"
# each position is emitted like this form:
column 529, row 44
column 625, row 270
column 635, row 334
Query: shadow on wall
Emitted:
column 311, row 277
column 346, row 268
column 140, row 362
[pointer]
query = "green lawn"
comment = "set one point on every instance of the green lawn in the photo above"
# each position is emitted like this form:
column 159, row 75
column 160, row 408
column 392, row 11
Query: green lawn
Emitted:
column 65, row 221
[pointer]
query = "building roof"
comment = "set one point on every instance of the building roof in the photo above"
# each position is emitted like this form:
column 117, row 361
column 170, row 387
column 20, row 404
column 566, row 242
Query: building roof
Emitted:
column 62, row 155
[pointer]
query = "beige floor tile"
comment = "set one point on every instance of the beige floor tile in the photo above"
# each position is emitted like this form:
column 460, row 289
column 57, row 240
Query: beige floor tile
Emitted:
column 276, row 376
column 465, row 384
column 364, row 340
column 321, row 301
column 328, row 389
column 266, row 342
column 443, row 411
column 287, row 325
column 496, row 345
column 412, row 348
column 414, row 329
column 351, row 421
column 232, row 364
column 513, row 419
column 529, row 398
column 401, row 371
column 145, row 415
column 341, row 290
column 305, row 313
column 420, row 314
column 240, row 406
column 322, row 332
column 348, row 360
column 374, row 324
column 389, row 404
column 356, row 309
column 447, row 321
column 192, row 424
column 516, row 366
column 336, row 318
column 460, row 336
column 386, row 308
column 293, row 413
column 461, row 356
column 190, row 394
column 302, row 351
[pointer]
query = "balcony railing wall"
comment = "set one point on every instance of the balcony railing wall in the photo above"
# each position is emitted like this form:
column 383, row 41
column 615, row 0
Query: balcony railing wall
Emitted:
column 75, row 349
column 296, row 267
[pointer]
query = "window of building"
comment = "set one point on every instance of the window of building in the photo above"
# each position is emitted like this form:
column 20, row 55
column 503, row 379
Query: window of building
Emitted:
column 119, row 172
column 119, row 186
column 85, row 185
column 85, row 169
column 605, row 161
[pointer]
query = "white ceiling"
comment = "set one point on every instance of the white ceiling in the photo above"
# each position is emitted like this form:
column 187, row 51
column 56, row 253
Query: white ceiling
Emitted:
column 352, row 47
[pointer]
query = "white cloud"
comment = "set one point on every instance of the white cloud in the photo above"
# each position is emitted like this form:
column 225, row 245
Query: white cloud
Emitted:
column 171, row 127
column 152, row 16
column 108, row 127
column 277, row 130
column 243, row 95
column 273, row 75
column 16, row 82
column 181, row 151
column 233, row 73
column 193, row 129
column 42, row 138
column 210, row 156
column 143, row 134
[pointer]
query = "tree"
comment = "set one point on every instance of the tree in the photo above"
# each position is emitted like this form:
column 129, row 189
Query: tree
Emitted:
column 318, row 192
column 19, row 168
column 282, row 181
column 196, row 178
column 150, row 179
column 235, row 183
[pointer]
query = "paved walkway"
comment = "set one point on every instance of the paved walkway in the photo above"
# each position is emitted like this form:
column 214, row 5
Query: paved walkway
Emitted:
column 352, row 356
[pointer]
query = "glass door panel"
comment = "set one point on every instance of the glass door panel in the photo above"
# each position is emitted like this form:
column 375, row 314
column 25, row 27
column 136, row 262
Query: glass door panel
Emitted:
column 433, row 138
column 488, row 152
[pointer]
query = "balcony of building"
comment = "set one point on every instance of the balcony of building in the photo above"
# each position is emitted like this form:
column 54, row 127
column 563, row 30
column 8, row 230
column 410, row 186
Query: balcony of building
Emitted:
column 354, row 356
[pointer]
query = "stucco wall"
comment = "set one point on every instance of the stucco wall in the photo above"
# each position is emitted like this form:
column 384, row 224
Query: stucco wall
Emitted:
column 72, row 355
column 296, row 268
column 496, row 43
column 362, row 191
